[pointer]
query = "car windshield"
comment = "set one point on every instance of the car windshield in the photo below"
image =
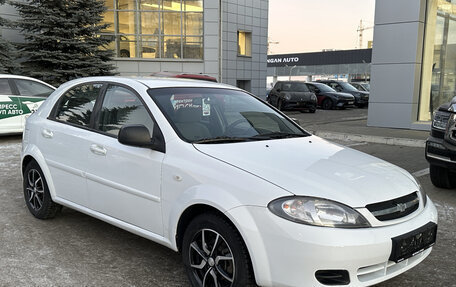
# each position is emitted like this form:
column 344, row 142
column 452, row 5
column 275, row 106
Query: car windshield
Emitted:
column 211, row 115
column 324, row 88
column 294, row 87
column 348, row 87
column 366, row 86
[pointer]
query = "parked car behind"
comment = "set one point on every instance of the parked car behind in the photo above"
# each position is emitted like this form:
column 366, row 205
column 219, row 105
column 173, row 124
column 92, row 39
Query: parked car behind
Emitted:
column 19, row 97
column 361, row 98
column 328, row 98
column 361, row 86
column 184, row 76
column 292, row 95
column 243, row 192
column 441, row 146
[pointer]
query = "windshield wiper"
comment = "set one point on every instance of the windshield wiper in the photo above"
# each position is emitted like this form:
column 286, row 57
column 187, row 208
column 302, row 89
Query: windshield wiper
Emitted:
column 222, row 139
column 278, row 135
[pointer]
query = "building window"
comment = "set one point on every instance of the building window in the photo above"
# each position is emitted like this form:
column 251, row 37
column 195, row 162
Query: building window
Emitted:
column 244, row 43
column 438, row 77
column 167, row 29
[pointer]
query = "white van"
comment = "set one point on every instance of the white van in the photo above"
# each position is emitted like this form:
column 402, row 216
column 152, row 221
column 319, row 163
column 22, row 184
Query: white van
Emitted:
column 19, row 97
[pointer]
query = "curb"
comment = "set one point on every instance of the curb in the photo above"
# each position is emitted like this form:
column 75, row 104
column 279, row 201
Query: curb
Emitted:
column 371, row 139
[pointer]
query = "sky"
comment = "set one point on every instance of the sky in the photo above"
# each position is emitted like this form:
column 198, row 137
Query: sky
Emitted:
column 313, row 25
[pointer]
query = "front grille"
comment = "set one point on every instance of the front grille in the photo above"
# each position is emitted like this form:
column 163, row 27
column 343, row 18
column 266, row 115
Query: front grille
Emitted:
column 395, row 208
column 438, row 133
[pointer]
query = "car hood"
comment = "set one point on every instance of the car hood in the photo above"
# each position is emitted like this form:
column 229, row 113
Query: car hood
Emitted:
column 315, row 167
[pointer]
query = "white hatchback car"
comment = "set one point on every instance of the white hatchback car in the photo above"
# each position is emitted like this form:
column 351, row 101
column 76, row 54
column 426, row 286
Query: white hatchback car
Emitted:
column 208, row 170
column 19, row 97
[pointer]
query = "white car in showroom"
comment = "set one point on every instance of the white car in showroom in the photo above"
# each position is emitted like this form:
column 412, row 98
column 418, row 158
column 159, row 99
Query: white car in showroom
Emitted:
column 240, row 190
column 19, row 97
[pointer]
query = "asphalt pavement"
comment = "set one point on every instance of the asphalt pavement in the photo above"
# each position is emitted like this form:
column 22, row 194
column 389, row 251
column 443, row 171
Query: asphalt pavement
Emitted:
column 76, row 250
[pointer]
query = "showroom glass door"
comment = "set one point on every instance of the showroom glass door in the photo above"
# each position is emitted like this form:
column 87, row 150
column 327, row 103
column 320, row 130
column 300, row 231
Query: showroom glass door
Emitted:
column 438, row 82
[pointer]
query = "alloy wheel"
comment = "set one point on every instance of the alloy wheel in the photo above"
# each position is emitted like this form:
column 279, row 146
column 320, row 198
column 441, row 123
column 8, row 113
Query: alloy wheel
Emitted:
column 211, row 259
column 35, row 189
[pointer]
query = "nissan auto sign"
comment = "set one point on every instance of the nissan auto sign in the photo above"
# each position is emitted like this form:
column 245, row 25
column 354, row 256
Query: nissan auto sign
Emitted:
column 282, row 61
column 321, row 58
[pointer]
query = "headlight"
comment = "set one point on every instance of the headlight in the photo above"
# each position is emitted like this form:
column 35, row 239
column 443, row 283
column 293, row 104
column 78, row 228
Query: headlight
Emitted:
column 287, row 97
column 440, row 120
column 318, row 212
column 422, row 194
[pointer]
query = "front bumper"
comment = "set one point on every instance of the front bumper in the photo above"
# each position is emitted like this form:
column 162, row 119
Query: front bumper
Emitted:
column 285, row 253
column 345, row 103
column 438, row 154
column 300, row 105
column 361, row 101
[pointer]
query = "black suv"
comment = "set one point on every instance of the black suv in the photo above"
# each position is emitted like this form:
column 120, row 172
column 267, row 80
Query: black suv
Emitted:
column 292, row 95
column 441, row 146
column 361, row 98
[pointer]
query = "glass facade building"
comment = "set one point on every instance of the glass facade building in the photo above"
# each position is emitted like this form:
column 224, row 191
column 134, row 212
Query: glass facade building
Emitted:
column 184, row 36
column 438, row 80
column 166, row 29
column 413, row 62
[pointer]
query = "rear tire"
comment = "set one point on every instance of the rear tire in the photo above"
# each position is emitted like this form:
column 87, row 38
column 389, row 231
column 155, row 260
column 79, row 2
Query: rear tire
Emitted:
column 36, row 193
column 442, row 177
column 212, row 249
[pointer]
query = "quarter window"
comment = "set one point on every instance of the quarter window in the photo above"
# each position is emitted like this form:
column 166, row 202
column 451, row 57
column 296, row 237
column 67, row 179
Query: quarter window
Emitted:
column 32, row 89
column 121, row 107
column 76, row 105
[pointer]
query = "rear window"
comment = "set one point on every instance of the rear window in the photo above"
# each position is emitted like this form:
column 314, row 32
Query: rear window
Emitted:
column 29, row 88
column 5, row 88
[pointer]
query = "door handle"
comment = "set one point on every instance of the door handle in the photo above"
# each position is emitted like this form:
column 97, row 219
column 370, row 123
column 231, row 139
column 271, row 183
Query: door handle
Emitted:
column 47, row 134
column 98, row 150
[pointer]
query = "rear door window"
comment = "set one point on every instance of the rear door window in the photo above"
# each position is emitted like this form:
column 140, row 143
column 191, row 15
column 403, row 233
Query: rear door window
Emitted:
column 76, row 105
column 121, row 107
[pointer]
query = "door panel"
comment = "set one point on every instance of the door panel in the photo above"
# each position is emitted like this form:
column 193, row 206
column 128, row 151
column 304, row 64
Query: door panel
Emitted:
column 64, row 142
column 123, row 181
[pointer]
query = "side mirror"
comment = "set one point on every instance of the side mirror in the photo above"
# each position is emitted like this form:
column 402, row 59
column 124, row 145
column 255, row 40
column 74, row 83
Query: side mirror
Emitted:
column 296, row 121
column 453, row 105
column 139, row 136
column 135, row 135
column 278, row 90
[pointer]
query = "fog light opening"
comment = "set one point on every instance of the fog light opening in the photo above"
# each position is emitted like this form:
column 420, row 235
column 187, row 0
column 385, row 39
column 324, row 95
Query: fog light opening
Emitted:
column 333, row 277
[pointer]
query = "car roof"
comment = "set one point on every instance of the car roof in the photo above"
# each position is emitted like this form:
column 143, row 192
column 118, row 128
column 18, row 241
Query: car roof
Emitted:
column 153, row 82
column 9, row 76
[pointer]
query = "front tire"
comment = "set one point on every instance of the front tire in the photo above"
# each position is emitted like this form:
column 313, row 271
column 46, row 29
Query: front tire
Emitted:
column 327, row 104
column 442, row 177
column 36, row 193
column 214, row 254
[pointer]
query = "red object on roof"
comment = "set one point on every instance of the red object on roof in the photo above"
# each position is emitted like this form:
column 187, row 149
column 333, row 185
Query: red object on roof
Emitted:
column 185, row 76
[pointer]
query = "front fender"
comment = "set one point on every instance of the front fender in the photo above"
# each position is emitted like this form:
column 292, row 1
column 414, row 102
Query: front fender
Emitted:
column 209, row 195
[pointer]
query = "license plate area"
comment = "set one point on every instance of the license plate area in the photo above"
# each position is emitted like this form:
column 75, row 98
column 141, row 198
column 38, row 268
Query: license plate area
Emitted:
column 413, row 242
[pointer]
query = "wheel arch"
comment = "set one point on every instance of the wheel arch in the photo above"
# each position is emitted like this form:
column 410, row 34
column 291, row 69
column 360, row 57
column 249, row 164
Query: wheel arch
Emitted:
column 32, row 153
column 197, row 209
